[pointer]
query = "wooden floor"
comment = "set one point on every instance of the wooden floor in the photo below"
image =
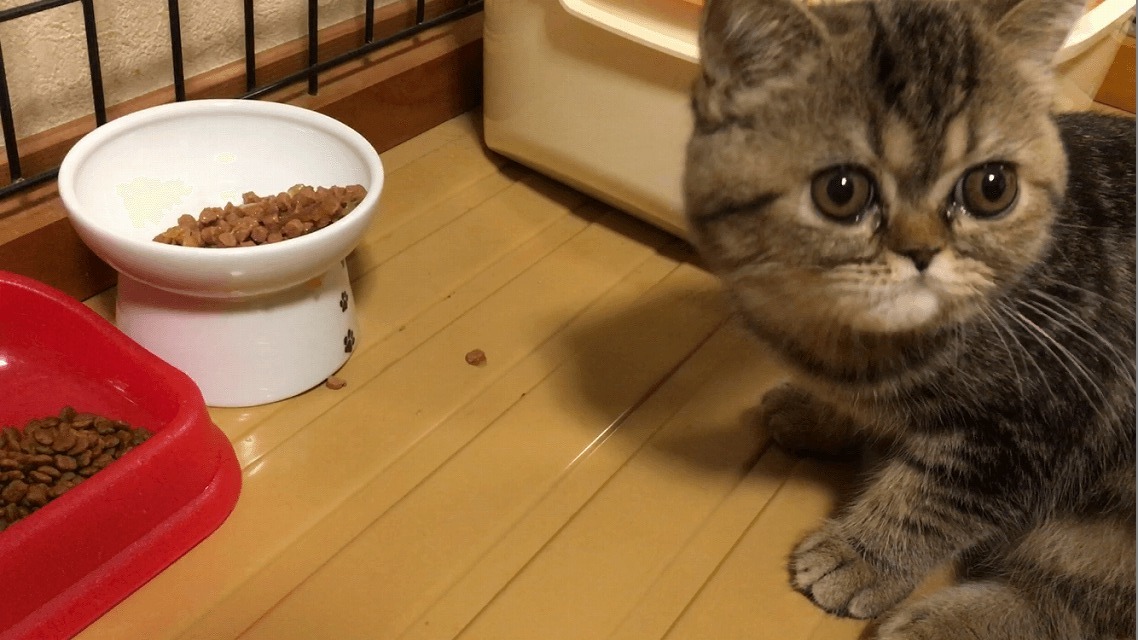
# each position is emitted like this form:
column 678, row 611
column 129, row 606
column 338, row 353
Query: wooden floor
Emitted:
column 594, row 479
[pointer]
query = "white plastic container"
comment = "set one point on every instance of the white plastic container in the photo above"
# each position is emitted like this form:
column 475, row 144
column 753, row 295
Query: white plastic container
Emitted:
column 1089, row 51
column 595, row 92
column 598, row 110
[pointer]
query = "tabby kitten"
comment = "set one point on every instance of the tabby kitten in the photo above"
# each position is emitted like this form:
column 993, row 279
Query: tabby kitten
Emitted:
column 949, row 269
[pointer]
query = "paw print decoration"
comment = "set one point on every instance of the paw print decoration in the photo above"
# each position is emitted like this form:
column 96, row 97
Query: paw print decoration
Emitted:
column 349, row 341
column 343, row 301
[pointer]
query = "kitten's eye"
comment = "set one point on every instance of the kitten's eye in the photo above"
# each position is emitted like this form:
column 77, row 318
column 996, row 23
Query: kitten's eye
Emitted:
column 842, row 193
column 988, row 190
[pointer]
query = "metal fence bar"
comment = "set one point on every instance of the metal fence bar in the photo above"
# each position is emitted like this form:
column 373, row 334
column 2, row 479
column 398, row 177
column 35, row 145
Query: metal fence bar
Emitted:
column 176, row 51
column 18, row 183
column 30, row 8
column 369, row 20
column 8, row 125
column 313, row 46
column 98, row 96
column 28, row 183
column 250, row 48
column 7, row 118
column 455, row 14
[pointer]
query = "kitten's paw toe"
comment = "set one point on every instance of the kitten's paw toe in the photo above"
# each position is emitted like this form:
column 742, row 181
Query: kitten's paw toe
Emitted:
column 829, row 571
column 972, row 610
column 800, row 425
column 913, row 623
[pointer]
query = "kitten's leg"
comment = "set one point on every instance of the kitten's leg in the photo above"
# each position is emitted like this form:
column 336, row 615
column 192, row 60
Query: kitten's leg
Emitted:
column 1070, row 579
column 980, row 610
column 1084, row 564
column 801, row 424
column 913, row 516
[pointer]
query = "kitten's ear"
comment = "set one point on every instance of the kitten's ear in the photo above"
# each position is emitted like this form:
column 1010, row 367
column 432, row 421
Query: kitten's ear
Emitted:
column 1037, row 27
column 754, row 40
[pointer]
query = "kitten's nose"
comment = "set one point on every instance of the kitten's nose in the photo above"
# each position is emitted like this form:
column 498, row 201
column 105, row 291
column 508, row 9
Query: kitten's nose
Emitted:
column 922, row 256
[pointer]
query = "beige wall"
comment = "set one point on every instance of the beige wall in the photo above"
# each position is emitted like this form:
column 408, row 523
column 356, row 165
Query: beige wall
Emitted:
column 46, row 57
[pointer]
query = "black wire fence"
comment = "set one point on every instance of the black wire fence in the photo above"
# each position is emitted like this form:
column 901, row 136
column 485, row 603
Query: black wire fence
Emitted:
column 310, row 73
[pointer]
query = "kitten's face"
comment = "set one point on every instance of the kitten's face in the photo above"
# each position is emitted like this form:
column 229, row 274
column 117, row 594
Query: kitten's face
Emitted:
column 882, row 168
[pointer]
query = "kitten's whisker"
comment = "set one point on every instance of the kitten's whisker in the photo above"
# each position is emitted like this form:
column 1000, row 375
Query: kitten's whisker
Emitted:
column 1075, row 287
column 1028, row 356
column 1115, row 358
column 1065, row 317
column 1011, row 356
column 1039, row 332
column 1088, row 227
column 1066, row 257
column 1059, row 304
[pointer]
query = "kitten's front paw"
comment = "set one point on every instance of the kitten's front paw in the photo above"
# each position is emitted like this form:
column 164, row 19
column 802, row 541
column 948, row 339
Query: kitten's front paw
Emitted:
column 801, row 425
column 991, row 611
column 829, row 571
column 917, row 623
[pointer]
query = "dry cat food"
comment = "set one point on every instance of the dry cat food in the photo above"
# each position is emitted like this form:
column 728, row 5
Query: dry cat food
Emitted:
column 476, row 358
column 51, row 455
column 264, row 220
column 335, row 383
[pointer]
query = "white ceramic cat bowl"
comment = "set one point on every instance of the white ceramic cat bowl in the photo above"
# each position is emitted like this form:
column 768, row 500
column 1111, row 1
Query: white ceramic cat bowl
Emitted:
column 250, row 325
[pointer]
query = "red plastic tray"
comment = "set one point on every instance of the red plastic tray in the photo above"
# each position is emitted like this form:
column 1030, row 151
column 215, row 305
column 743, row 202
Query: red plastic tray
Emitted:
column 68, row 563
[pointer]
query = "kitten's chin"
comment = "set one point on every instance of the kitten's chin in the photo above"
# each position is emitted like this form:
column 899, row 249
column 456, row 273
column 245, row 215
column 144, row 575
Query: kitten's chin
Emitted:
column 912, row 309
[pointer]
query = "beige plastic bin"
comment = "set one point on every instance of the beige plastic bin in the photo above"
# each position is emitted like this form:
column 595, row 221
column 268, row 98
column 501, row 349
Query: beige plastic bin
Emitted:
column 595, row 92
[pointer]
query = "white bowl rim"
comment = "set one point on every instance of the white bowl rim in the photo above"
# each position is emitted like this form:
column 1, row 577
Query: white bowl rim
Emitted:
column 95, row 138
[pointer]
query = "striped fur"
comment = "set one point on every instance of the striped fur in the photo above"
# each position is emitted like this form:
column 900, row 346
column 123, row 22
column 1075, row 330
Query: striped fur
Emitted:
column 1001, row 380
